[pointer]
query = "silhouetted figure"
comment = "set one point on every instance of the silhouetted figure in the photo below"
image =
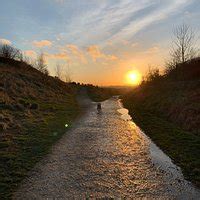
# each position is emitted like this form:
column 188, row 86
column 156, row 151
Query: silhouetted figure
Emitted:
column 99, row 107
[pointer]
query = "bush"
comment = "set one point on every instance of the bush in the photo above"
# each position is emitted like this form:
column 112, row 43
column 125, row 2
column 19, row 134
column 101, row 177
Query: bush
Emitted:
column 7, row 51
column 153, row 76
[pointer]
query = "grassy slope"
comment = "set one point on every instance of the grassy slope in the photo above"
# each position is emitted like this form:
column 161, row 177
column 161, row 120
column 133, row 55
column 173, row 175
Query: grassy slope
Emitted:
column 166, row 112
column 30, row 132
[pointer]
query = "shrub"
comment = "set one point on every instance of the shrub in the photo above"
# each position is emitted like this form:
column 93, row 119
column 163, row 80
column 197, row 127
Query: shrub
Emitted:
column 8, row 51
column 153, row 76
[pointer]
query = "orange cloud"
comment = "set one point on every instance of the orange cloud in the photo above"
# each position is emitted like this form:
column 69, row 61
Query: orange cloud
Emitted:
column 75, row 51
column 59, row 56
column 73, row 48
column 152, row 50
column 30, row 53
column 134, row 44
column 42, row 43
column 96, row 53
column 111, row 57
column 5, row 41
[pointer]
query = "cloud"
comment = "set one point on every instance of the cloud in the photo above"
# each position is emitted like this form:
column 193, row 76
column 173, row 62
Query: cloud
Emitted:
column 156, row 15
column 95, row 52
column 101, row 18
column 5, row 41
column 30, row 53
column 111, row 57
column 59, row 1
column 42, row 43
column 135, row 44
column 152, row 50
column 74, row 50
column 108, row 21
column 58, row 56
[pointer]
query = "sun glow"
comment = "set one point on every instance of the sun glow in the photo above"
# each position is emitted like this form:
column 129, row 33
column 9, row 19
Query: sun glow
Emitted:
column 133, row 77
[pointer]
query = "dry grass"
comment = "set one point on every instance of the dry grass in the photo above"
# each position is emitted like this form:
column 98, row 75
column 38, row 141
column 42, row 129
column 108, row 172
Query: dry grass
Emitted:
column 33, row 111
column 168, row 111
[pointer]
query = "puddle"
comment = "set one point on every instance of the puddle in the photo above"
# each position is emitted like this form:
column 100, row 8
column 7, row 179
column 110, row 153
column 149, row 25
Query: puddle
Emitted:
column 106, row 157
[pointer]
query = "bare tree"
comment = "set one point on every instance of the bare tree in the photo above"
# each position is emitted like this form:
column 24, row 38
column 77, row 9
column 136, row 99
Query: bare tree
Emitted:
column 183, row 44
column 67, row 75
column 152, row 75
column 58, row 71
column 8, row 51
column 27, row 60
column 62, row 72
column 40, row 64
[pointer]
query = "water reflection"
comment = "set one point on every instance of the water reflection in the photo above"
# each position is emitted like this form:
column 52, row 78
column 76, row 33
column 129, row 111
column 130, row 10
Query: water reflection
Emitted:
column 124, row 114
column 104, row 156
column 163, row 163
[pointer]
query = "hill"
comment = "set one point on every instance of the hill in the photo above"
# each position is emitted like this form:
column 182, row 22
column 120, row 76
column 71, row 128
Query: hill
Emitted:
column 167, row 108
column 34, row 109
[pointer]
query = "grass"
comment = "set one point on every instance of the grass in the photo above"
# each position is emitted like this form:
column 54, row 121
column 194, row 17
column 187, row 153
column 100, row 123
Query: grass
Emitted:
column 183, row 147
column 32, row 130
column 20, row 153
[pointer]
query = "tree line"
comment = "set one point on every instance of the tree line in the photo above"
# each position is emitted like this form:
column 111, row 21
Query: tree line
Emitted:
column 10, row 52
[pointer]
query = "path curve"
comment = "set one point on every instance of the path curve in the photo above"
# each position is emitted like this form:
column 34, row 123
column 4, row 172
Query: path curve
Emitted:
column 103, row 155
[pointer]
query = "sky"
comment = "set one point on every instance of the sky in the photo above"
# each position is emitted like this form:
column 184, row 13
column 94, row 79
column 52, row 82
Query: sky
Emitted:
column 97, row 41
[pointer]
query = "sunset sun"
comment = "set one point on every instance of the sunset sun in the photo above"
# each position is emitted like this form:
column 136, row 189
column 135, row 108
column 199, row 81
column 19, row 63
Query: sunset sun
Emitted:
column 133, row 77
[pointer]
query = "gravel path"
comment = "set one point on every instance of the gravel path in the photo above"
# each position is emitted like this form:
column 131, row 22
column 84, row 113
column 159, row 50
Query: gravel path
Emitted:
column 103, row 155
